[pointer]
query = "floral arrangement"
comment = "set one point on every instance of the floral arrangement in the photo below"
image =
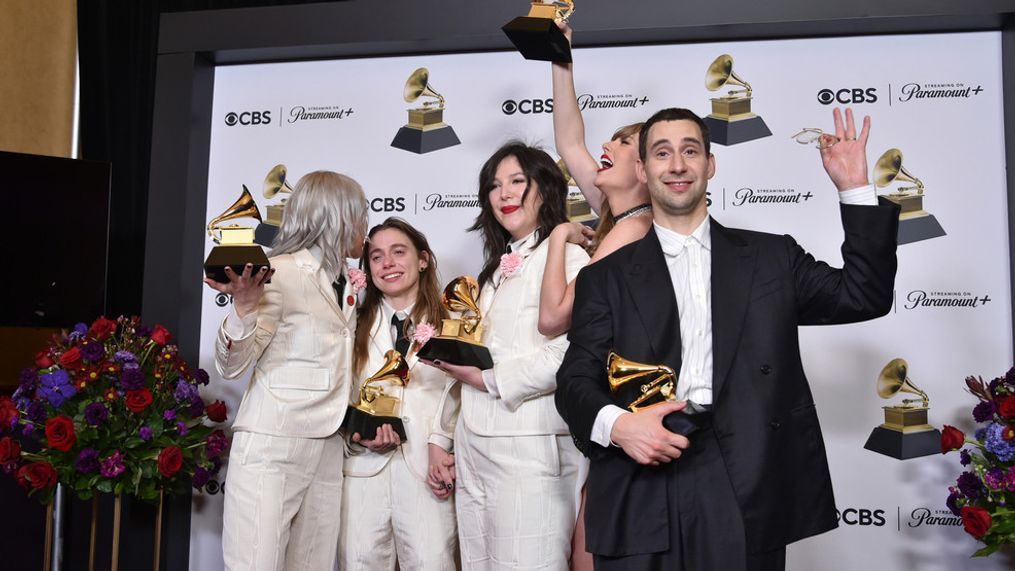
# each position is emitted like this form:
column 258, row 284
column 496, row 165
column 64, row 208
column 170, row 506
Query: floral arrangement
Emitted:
column 509, row 264
column 984, row 495
column 110, row 407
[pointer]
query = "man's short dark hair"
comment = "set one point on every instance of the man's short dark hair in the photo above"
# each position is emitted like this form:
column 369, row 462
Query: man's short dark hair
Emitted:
column 672, row 114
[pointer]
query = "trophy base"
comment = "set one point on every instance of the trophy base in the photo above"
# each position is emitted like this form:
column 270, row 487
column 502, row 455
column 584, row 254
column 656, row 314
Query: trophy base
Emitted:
column 422, row 141
column 904, row 446
column 367, row 424
column 456, row 352
column 265, row 234
column 236, row 257
column 538, row 39
column 919, row 228
column 730, row 132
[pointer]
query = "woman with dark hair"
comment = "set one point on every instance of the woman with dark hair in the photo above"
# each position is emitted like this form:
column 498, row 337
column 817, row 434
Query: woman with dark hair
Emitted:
column 285, row 468
column 519, row 473
column 392, row 508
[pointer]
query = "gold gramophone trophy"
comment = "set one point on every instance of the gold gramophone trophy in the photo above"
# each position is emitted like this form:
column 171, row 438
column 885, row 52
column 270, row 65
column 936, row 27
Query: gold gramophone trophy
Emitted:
column 426, row 130
column 274, row 183
column 236, row 246
column 637, row 386
column 377, row 405
column 536, row 36
column 731, row 120
column 578, row 209
column 460, row 340
column 905, row 433
column 915, row 223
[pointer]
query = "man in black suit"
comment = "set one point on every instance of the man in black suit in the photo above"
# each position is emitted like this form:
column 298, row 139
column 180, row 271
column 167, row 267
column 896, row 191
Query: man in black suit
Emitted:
column 743, row 473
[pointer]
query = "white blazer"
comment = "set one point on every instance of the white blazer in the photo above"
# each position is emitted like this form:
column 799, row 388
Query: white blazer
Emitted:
column 301, row 351
column 420, row 400
column 525, row 361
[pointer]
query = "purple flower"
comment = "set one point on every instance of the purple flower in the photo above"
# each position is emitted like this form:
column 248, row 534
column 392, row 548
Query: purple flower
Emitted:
column 196, row 407
column 112, row 466
column 983, row 411
column 145, row 433
column 88, row 461
column 124, row 357
column 96, row 413
column 169, row 415
column 216, row 465
column 36, row 412
column 185, row 392
column 994, row 478
column 56, row 388
column 993, row 385
column 217, row 443
column 28, row 429
column 80, row 330
column 181, row 427
column 981, row 433
column 201, row 477
column 1009, row 377
column 997, row 445
column 964, row 457
column 131, row 379
column 200, row 375
column 27, row 381
column 950, row 502
column 1009, row 479
column 143, row 332
column 969, row 485
column 92, row 351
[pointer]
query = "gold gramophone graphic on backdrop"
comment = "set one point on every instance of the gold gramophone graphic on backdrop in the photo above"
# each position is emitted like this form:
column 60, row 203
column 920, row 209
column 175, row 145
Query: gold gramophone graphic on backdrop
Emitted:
column 274, row 183
column 377, row 404
column 905, row 433
column 460, row 341
column 915, row 223
column 426, row 130
column 731, row 120
column 638, row 385
column 236, row 246
column 578, row 209
column 536, row 35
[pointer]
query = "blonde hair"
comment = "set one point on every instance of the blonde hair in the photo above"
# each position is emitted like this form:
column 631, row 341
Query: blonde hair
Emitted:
column 328, row 210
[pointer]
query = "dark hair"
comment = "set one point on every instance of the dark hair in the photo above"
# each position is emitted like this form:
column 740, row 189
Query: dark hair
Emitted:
column 540, row 169
column 606, row 219
column 672, row 114
column 428, row 306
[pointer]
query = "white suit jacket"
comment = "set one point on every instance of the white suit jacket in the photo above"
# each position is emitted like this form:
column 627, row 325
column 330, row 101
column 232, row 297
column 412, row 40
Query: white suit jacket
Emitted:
column 525, row 362
column 420, row 398
column 301, row 351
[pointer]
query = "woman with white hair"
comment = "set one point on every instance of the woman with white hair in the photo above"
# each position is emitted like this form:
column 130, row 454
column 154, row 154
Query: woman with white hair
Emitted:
column 295, row 324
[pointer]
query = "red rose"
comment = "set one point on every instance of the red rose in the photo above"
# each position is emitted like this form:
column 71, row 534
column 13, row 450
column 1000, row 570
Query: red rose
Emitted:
column 10, row 450
column 102, row 328
column 160, row 335
column 216, row 411
column 71, row 359
column 1006, row 407
column 170, row 461
column 37, row 476
column 138, row 400
column 952, row 439
column 60, row 433
column 976, row 521
column 42, row 360
column 8, row 413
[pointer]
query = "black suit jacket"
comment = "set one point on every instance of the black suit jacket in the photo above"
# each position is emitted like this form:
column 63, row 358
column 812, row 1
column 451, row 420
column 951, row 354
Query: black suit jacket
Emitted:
column 763, row 287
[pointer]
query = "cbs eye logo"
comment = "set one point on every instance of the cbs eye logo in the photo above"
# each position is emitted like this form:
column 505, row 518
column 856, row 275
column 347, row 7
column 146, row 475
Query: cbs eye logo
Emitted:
column 527, row 106
column 248, row 118
column 223, row 299
column 849, row 95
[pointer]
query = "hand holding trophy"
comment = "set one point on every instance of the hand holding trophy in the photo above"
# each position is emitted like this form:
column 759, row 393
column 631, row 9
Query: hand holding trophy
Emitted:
column 537, row 35
column 639, row 386
column 460, row 340
column 236, row 248
column 375, row 405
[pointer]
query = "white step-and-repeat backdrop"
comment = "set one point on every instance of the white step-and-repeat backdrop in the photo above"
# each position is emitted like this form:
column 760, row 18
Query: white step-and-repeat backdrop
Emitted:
column 937, row 98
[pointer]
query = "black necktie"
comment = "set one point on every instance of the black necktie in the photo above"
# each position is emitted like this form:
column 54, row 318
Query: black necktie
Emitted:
column 339, row 286
column 401, row 341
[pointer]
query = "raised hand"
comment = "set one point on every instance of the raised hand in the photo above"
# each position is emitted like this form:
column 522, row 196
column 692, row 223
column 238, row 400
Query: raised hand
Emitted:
column 246, row 289
column 844, row 155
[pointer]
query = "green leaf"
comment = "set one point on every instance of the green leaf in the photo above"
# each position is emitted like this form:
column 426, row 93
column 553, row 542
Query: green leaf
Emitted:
column 105, row 486
column 985, row 551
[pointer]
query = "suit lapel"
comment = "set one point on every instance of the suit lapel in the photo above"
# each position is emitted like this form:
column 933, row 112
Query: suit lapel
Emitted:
column 650, row 286
column 316, row 275
column 733, row 262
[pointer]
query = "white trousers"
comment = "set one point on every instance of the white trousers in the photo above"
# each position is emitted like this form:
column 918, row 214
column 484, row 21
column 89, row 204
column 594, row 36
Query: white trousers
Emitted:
column 282, row 503
column 393, row 516
column 517, row 499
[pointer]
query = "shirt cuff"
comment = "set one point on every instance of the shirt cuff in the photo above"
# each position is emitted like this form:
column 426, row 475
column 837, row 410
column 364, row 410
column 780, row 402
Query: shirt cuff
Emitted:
column 442, row 441
column 864, row 195
column 491, row 382
column 603, row 426
column 237, row 327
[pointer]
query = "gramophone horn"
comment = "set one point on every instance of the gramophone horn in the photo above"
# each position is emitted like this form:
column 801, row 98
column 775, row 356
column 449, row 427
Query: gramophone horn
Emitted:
column 418, row 85
column 720, row 73
column 893, row 379
column 244, row 207
column 395, row 370
column 276, row 182
column 889, row 169
column 620, row 371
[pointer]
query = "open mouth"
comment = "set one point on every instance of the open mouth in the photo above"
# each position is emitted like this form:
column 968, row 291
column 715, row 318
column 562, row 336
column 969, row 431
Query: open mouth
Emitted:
column 392, row 277
column 509, row 209
column 605, row 163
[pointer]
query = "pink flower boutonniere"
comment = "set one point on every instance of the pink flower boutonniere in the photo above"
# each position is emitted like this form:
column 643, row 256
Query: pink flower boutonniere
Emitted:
column 358, row 279
column 424, row 331
column 509, row 264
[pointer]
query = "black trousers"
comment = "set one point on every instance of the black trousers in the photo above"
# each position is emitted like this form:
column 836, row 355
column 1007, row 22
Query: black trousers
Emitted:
column 706, row 527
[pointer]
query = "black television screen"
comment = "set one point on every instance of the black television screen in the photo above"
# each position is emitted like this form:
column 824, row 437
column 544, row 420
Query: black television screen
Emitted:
column 56, row 213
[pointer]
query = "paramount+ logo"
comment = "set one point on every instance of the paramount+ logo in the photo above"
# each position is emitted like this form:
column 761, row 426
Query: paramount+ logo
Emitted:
column 861, row 517
column 248, row 118
column 848, row 96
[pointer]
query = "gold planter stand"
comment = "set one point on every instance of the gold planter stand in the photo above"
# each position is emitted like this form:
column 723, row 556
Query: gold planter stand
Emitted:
column 115, row 555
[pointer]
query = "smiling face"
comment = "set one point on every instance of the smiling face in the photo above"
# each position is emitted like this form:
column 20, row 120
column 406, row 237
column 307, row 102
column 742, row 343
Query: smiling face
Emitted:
column 618, row 163
column 676, row 170
column 395, row 265
column 516, row 210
